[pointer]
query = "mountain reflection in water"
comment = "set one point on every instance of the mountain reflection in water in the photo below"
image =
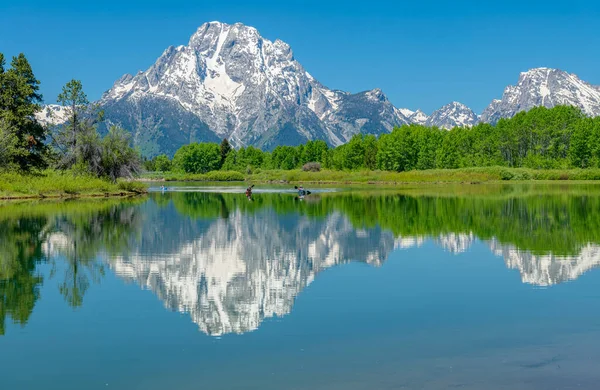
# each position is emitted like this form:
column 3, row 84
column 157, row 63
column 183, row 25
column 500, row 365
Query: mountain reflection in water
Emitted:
column 230, row 263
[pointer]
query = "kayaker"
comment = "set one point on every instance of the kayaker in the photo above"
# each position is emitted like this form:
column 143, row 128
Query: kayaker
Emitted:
column 249, row 192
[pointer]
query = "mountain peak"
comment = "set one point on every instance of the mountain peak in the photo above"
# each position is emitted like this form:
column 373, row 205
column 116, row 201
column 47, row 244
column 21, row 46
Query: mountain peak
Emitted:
column 546, row 87
column 453, row 114
column 231, row 82
column 376, row 94
column 540, row 70
column 456, row 105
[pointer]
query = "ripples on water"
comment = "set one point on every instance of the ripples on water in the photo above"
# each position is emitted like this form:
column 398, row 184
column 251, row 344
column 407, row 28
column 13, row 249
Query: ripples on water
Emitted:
column 229, row 265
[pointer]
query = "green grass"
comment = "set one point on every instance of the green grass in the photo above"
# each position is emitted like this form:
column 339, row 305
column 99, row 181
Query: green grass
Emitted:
column 180, row 176
column 62, row 184
column 461, row 175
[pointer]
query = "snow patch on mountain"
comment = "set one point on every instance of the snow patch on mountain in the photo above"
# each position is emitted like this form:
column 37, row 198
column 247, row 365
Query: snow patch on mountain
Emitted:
column 237, row 84
column 452, row 115
column 52, row 114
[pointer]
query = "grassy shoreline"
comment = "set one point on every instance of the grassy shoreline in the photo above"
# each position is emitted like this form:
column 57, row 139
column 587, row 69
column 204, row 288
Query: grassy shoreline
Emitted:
column 63, row 185
column 434, row 176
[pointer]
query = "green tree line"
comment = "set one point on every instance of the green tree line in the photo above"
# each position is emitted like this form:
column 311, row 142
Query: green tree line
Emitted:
column 541, row 138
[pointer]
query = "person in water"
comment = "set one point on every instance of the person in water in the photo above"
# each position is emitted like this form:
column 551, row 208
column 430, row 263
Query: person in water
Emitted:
column 249, row 192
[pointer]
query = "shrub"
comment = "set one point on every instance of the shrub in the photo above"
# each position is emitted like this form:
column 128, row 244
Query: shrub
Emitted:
column 132, row 186
column 224, row 176
column 311, row 167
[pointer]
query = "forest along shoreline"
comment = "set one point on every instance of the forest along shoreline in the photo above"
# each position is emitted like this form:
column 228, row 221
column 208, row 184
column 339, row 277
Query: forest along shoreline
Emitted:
column 560, row 143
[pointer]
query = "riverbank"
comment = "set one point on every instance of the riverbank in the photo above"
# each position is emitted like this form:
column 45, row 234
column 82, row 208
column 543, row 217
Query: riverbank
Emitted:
column 461, row 175
column 181, row 176
column 53, row 184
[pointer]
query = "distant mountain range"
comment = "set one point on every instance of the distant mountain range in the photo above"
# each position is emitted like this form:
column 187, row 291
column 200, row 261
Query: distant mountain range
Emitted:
column 230, row 82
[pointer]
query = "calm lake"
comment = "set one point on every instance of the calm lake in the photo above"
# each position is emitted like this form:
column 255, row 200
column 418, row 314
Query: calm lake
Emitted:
column 439, row 287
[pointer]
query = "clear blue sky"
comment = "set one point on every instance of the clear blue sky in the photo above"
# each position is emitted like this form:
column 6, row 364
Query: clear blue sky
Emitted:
column 422, row 54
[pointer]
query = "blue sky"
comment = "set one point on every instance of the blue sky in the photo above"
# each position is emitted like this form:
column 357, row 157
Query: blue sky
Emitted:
column 422, row 54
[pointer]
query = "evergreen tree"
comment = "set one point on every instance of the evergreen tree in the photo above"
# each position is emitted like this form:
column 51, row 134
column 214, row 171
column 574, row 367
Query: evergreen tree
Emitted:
column 225, row 149
column 19, row 101
column 9, row 145
column 74, row 138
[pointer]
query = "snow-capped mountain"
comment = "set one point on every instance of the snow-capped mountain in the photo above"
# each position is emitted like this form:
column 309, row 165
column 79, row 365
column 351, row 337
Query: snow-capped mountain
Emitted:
column 51, row 114
column 452, row 115
column 231, row 82
column 544, row 87
column 417, row 117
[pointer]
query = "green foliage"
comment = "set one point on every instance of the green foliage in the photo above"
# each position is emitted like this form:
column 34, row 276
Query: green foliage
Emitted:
column 312, row 151
column 132, row 186
column 160, row 163
column 79, row 147
column 225, row 148
column 209, row 176
column 9, row 147
column 118, row 159
column 541, row 138
column 198, row 158
column 54, row 184
column 19, row 101
column 285, row 157
column 76, row 141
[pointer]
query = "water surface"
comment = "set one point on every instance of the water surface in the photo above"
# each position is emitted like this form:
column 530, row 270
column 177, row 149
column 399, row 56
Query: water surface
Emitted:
column 449, row 287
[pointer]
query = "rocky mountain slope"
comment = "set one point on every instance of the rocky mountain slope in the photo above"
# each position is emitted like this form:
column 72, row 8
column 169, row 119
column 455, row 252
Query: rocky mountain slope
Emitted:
column 544, row 87
column 230, row 82
column 452, row 115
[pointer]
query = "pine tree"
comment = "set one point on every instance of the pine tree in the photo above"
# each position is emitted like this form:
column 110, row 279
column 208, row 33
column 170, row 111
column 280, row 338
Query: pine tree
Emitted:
column 19, row 101
column 72, row 138
column 75, row 101
column 225, row 149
